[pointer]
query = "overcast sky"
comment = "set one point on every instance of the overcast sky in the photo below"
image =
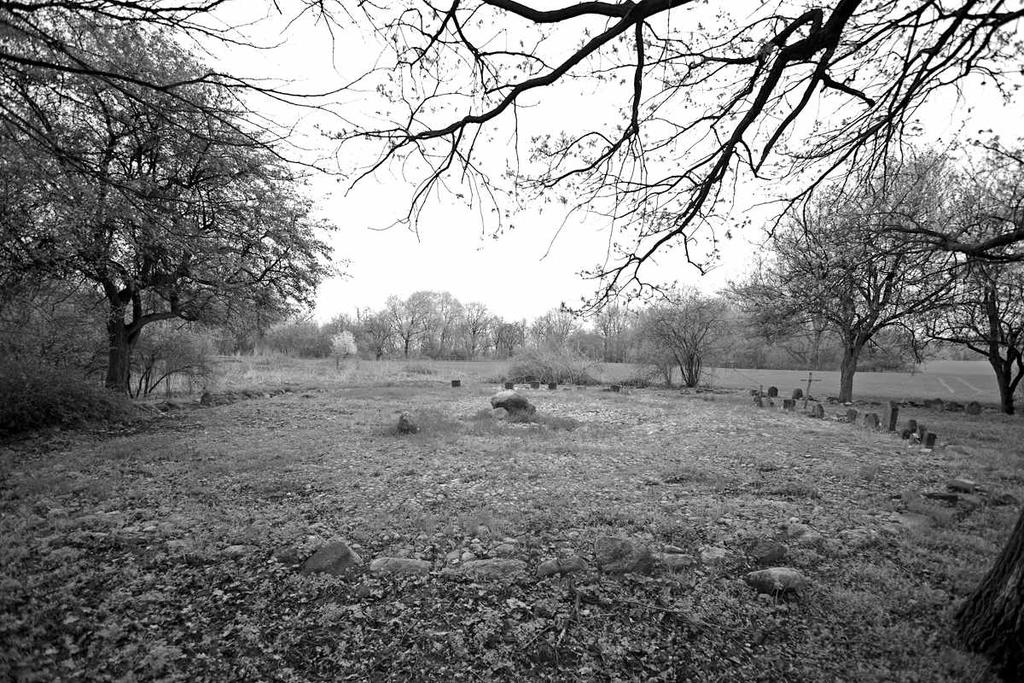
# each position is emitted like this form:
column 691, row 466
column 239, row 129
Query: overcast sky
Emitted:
column 527, row 270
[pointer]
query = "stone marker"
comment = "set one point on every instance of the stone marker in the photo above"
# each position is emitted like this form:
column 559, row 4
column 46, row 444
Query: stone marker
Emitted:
column 773, row 392
column 758, row 401
column 973, row 408
column 912, row 427
column 851, row 415
column 335, row 558
column 509, row 385
column 513, row 402
column 406, row 425
column 893, row 414
column 818, row 411
column 456, row 383
column 798, row 393
column 929, row 440
column 961, row 485
column 535, row 385
column 789, row 404
column 552, row 386
column 921, row 432
column 906, row 434
column 871, row 420
column 616, row 388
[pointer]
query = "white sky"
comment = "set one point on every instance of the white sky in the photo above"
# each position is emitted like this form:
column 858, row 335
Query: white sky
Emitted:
column 522, row 274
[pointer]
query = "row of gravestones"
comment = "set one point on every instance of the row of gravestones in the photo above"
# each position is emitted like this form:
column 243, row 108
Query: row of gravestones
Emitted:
column 773, row 392
column 889, row 421
column 456, row 383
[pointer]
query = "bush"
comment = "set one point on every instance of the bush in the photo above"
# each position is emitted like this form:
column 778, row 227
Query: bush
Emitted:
column 561, row 367
column 36, row 396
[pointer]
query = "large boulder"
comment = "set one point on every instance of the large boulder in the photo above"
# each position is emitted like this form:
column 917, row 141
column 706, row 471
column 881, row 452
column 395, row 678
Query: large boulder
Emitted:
column 514, row 402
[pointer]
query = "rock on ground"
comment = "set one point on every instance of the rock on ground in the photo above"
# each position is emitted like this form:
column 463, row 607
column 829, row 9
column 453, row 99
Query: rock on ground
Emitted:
column 406, row 425
column 335, row 558
column 391, row 566
column 561, row 566
column 776, row 580
column 621, row 556
column 514, row 402
column 673, row 561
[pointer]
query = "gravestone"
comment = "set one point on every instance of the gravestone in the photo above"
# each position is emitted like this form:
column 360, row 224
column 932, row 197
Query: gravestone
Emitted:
column 535, row 385
column 906, row 434
column 456, row 383
column 552, row 386
column 616, row 388
column 921, row 432
column 871, row 420
column 893, row 415
column 912, row 426
column 818, row 411
column 798, row 393
column 758, row 401
column 973, row 408
column 788, row 404
column 929, row 440
column 510, row 385
column 851, row 415
column 773, row 392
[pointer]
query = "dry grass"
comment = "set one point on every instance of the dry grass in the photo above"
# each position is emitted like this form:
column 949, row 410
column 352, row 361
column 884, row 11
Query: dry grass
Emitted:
column 115, row 547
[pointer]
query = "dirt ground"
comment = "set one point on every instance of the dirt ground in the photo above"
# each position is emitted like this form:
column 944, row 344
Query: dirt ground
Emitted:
column 172, row 549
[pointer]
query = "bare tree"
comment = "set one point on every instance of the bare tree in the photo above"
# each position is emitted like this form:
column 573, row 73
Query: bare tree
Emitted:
column 839, row 260
column 706, row 98
column 987, row 316
column 508, row 337
column 410, row 318
column 612, row 323
column 377, row 333
column 476, row 325
column 554, row 329
column 685, row 328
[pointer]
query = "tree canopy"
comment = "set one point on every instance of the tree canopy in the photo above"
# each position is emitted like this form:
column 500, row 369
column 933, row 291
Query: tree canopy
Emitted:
column 166, row 202
column 677, row 103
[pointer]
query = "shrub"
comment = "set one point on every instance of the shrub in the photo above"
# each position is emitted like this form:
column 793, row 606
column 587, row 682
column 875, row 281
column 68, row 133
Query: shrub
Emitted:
column 37, row 396
column 561, row 367
column 167, row 351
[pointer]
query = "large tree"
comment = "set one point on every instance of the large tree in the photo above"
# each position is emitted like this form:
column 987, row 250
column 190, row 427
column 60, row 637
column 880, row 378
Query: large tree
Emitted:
column 841, row 261
column 169, row 209
column 677, row 103
column 986, row 315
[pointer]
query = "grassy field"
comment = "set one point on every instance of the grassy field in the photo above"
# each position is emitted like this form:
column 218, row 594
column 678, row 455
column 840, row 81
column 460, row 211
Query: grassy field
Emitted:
column 169, row 550
column 949, row 380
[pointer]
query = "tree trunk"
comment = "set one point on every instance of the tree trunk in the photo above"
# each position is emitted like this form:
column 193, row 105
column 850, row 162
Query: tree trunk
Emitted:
column 847, row 370
column 1005, row 386
column 119, row 353
column 991, row 620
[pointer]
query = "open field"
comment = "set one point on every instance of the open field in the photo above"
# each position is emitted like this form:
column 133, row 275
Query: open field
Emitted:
column 949, row 380
column 170, row 549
